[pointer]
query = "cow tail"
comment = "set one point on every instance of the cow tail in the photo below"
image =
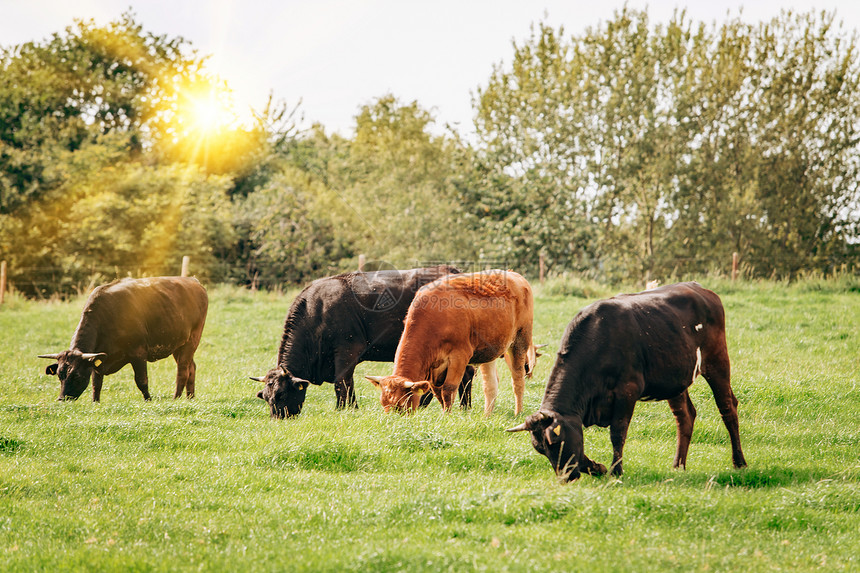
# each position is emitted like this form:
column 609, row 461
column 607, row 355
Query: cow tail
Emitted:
column 531, row 356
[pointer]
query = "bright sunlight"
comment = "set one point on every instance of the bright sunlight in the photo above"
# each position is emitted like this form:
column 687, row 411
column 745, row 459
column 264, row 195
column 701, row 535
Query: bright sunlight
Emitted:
column 208, row 112
column 209, row 131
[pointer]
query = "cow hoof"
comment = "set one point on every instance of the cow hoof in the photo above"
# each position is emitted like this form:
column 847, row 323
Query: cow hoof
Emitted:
column 595, row 470
column 572, row 476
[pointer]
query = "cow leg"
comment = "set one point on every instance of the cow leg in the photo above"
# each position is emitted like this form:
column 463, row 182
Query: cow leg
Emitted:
column 344, row 390
column 186, row 370
column 98, row 378
column 516, row 360
column 490, row 383
column 590, row 467
column 685, row 415
column 186, row 373
column 345, row 362
column 618, row 431
column 140, row 377
column 717, row 372
column 436, row 381
column 456, row 369
column 190, row 382
column 465, row 389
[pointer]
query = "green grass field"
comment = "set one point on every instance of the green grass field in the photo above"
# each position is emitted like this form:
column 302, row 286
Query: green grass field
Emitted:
column 214, row 484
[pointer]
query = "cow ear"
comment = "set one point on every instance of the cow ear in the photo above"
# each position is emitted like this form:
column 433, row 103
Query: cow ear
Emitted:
column 300, row 384
column 553, row 433
column 260, row 395
column 420, row 388
column 52, row 369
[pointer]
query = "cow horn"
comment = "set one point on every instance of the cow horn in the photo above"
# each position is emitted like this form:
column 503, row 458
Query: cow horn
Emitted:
column 537, row 417
column 256, row 378
column 408, row 384
column 375, row 379
column 524, row 427
column 51, row 356
column 539, row 346
column 92, row 355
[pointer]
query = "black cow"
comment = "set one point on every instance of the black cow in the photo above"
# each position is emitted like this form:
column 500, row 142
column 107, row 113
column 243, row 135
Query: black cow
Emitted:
column 134, row 321
column 337, row 322
column 646, row 346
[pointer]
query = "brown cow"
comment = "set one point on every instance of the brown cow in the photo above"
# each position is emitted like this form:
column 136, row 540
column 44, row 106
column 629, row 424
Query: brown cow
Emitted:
column 458, row 320
column 134, row 321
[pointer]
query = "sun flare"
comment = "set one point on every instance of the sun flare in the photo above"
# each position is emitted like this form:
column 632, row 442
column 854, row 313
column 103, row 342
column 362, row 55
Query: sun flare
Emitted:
column 209, row 131
column 209, row 112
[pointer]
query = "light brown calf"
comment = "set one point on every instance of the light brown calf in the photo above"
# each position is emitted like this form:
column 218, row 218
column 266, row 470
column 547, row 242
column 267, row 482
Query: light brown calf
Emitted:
column 458, row 320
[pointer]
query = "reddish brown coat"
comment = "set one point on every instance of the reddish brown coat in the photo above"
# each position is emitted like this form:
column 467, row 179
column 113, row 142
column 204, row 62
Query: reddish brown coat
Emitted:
column 458, row 320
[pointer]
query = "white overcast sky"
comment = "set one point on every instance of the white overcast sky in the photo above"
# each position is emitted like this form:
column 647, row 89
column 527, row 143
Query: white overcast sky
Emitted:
column 336, row 55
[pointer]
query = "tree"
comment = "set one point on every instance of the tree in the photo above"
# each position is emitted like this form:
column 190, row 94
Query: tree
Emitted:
column 104, row 166
column 80, row 86
column 288, row 235
column 124, row 218
column 662, row 149
column 390, row 189
column 530, row 195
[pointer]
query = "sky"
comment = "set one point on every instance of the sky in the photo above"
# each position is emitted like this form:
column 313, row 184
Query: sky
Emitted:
column 334, row 56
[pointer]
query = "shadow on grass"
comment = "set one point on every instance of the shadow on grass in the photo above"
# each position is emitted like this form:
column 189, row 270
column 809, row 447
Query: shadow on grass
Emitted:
column 747, row 478
column 769, row 477
column 335, row 458
column 10, row 445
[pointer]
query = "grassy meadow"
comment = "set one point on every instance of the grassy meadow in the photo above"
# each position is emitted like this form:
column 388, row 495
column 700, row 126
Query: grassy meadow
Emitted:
column 214, row 484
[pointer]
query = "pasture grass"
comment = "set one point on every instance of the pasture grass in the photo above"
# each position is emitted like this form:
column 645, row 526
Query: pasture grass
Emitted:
column 214, row 484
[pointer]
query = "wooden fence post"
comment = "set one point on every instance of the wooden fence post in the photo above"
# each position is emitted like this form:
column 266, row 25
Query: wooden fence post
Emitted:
column 734, row 266
column 542, row 266
column 2, row 281
column 185, row 262
column 361, row 263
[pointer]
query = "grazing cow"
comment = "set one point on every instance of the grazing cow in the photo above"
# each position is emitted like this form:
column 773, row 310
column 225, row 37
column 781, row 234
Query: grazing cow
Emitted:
column 459, row 320
column 134, row 321
column 334, row 324
column 646, row 346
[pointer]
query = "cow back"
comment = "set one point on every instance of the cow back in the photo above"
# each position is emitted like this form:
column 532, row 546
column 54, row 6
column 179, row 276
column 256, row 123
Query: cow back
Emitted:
column 357, row 310
column 481, row 311
column 153, row 316
column 658, row 334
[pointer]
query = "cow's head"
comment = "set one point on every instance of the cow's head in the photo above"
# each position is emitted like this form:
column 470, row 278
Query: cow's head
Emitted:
column 74, row 368
column 399, row 393
column 557, row 437
column 284, row 392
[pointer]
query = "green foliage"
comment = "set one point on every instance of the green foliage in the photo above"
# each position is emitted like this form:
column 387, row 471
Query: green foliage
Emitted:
column 631, row 151
column 659, row 149
column 131, row 218
column 288, row 235
column 103, row 169
column 80, row 85
column 569, row 284
column 398, row 180
column 213, row 483
column 389, row 193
